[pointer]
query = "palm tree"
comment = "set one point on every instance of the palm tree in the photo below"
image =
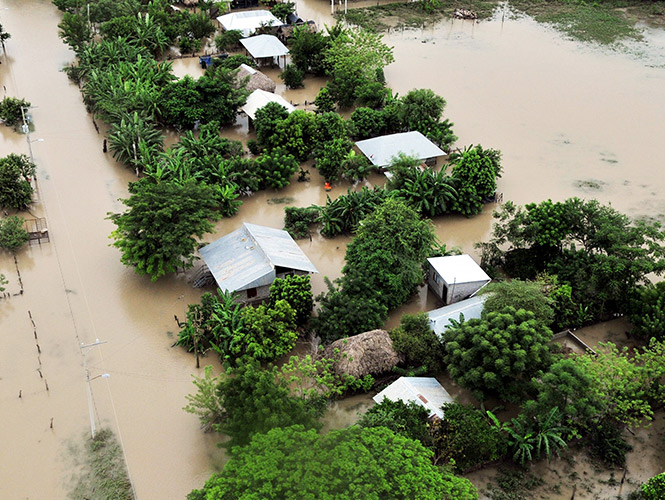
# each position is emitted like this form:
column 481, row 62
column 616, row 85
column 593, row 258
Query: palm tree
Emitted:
column 129, row 139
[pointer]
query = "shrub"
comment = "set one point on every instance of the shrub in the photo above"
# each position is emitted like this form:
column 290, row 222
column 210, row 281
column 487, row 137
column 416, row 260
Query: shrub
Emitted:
column 408, row 419
column 466, row 436
column 15, row 174
column 12, row 234
column 608, row 445
column 419, row 345
column 292, row 76
column 297, row 292
column 654, row 488
column 298, row 219
column 10, row 110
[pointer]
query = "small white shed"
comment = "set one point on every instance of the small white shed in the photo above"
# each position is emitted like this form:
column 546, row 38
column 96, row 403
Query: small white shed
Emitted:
column 455, row 277
column 426, row 391
column 248, row 21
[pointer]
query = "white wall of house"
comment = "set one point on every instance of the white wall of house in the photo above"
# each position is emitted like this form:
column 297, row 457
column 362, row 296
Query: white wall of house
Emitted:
column 450, row 293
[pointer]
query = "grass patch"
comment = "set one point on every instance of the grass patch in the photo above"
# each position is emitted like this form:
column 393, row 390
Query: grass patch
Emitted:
column 412, row 15
column 604, row 23
column 513, row 485
column 102, row 470
column 600, row 23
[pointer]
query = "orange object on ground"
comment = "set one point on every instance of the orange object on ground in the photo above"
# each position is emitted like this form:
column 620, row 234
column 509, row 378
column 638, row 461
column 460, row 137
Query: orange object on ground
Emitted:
column 327, row 186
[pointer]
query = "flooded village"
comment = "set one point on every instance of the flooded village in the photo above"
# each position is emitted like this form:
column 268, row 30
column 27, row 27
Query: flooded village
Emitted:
column 88, row 344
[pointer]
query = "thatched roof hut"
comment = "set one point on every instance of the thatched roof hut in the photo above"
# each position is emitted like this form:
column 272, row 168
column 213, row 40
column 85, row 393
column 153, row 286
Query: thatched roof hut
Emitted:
column 369, row 353
column 257, row 80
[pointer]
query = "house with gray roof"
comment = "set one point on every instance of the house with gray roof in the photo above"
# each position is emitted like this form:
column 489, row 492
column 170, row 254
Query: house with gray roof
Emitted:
column 381, row 151
column 472, row 308
column 249, row 259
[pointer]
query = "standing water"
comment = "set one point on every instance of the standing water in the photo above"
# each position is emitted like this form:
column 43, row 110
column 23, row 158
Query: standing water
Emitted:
column 570, row 120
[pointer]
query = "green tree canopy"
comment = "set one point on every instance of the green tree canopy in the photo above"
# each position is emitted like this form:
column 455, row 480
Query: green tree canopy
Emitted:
column 528, row 295
column 415, row 340
column 498, row 354
column 383, row 267
column 297, row 292
column 158, row 233
column 15, row 188
column 599, row 252
column 12, row 233
column 353, row 59
column 293, row 463
column 647, row 311
column 408, row 419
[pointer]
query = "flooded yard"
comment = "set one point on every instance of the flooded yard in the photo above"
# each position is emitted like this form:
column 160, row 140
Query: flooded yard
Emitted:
column 570, row 119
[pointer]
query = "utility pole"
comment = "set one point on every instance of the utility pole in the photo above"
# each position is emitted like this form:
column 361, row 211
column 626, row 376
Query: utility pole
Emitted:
column 88, row 379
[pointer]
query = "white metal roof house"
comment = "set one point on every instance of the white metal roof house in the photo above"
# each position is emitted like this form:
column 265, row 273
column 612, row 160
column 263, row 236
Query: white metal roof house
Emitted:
column 260, row 98
column 426, row 391
column 471, row 308
column 381, row 150
column 265, row 48
column 455, row 277
column 250, row 258
column 248, row 21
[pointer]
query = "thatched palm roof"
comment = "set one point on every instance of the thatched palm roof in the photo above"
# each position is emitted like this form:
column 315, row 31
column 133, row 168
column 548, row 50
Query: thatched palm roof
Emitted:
column 369, row 353
column 257, row 80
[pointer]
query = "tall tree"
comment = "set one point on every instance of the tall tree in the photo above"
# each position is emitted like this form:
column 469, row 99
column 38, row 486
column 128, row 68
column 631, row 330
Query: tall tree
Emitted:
column 158, row 233
column 291, row 463
column 15, row 174
column 498, row 354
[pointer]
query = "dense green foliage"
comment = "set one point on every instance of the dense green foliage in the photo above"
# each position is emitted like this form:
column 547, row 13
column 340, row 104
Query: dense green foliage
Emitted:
column 219, row 323
column 186, row 102
column 353, row 58
column 134, row 140
column 10, row 110
column 157, row 234
column 415, row 340
column 600, row 253
column 292, row 76
column 276, row 167
column 429, row 192
column 344, row 214
column 307, row 50
column 528, row 295
column 12, row 234
column 647, row 311
column 15, row 188
column 383, row 267
column 476, row 170
column 297, row 220
column 331, row 157
column 249, row 400
column 654, row 488
column 293, row 463
column 297, row 292
column 408, row 419
column 466, row 436
column 498, row 354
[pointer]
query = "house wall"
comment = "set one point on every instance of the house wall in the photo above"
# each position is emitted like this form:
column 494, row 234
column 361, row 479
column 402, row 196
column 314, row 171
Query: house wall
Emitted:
column 461, row 291
column 435, row 282
column 263, row 292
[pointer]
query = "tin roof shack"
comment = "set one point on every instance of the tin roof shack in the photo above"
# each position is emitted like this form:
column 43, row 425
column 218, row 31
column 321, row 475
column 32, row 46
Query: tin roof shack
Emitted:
column 472, row 308
column 425, row 391
column 249, row 21
column 249, row 259
column 260, row 98
column 381, row 150
column 265, row 49
column 455, row 277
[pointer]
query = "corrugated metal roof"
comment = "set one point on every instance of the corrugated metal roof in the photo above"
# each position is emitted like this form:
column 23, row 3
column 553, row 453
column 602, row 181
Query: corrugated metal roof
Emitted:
column 247, row 257
column 264, row 46
column 381, row 150
column 248, row 21
column 426, row 391
column 458, row 269
column 260, row 98
column 439, row 319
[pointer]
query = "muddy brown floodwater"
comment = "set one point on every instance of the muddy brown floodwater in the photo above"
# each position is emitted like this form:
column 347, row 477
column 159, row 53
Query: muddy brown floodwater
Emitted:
column 571, row 120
